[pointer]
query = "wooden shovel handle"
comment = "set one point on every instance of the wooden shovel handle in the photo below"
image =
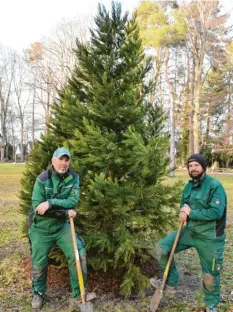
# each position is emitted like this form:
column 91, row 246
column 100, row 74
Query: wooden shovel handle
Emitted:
column 165, row 274
column 78, row 265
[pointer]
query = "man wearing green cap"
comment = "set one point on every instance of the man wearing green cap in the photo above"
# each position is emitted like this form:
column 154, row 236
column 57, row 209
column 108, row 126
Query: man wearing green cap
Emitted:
column 203, row 207
column 54, row 199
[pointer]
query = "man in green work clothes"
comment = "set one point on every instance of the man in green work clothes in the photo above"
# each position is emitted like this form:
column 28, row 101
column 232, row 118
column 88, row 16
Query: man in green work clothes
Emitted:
column 54, row 199
column 203, row 207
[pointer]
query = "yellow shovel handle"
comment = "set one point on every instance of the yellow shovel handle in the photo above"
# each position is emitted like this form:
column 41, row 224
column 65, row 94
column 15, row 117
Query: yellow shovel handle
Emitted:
column 166, row 271
column 78, row 264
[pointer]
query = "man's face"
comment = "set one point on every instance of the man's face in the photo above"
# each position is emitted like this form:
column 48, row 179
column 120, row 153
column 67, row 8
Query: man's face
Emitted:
column 195, row 170
column 61, row 165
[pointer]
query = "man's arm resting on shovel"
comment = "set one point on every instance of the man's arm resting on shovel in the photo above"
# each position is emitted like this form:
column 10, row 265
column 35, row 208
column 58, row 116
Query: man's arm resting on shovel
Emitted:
column 215, row 209
column 183, row 214
column 54, row 208
column 60, row 213
column 71, row 201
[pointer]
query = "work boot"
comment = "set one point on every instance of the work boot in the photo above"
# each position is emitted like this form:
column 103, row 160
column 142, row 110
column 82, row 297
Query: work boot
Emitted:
column 211, row 310
column 223, row 298
column 169, row 290
column 37, row 301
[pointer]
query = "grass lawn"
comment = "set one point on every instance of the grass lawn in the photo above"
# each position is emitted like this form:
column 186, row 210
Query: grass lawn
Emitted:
column 15, row 286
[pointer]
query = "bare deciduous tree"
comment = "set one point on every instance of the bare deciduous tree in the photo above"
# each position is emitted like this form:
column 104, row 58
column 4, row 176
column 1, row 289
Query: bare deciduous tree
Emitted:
column 7, row 73
column 21, row 98
column 52, row 61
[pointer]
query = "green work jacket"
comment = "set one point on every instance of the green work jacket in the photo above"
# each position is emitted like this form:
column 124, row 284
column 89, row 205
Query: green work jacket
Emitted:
column 59, row 192
column 208, row 201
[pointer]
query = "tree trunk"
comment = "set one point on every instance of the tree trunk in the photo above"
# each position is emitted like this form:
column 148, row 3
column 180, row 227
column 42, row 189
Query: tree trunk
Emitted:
column 2, row 151
column 7, row 151
column 33, row 116
column 207, row 135
column 196, row 115
column 171, row 115
column 191, row 130
column 22, row 142
column 3, row 140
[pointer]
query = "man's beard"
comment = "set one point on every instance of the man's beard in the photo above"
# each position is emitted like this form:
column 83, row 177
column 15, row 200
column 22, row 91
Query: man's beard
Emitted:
column 62, row 171
column 196, row 176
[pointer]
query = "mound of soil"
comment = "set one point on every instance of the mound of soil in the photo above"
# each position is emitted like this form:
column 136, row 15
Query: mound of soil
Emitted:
column 98, row 281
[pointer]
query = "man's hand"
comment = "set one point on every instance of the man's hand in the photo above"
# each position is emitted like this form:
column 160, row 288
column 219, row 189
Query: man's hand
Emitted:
column 42, row 207
column 183, row 216
column 186, row 209
column 71, row 213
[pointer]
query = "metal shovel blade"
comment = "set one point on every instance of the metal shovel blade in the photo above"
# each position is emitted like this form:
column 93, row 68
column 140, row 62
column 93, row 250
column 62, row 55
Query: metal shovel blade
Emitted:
column 154, row 303
column 86, row 307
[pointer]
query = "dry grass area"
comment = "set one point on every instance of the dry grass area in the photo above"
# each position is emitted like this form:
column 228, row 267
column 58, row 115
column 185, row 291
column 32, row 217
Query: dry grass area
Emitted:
column 15, row 284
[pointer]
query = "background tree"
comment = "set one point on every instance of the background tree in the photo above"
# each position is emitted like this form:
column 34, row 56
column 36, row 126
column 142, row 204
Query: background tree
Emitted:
column 163, row 28
column 21, row 98
column 181, row 77
column 119, row 147
column 7, row 73
column 206, row 25
column 32, row 57
column 51, row 62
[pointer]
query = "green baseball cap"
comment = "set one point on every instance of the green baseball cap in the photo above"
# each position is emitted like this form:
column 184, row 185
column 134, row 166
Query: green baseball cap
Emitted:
column 61, row 151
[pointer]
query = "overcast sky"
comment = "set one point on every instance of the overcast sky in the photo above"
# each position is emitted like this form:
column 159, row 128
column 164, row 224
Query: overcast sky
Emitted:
column 23, row 22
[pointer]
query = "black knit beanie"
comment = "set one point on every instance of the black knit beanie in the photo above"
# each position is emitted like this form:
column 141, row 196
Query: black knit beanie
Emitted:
column 198, row 158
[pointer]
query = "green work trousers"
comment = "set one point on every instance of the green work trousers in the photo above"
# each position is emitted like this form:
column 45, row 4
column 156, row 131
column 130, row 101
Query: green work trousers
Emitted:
column 211, row 254
column 41, row 243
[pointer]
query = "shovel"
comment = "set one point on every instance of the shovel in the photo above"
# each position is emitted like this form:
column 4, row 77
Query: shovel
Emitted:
column 84, row 306
column 159, row 291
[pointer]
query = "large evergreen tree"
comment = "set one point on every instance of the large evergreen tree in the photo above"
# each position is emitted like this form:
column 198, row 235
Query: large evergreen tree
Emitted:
column 119, row 149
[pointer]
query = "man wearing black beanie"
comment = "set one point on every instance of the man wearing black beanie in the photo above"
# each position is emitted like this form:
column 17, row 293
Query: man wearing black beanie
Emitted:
column 203, row 207
column 199, row 159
